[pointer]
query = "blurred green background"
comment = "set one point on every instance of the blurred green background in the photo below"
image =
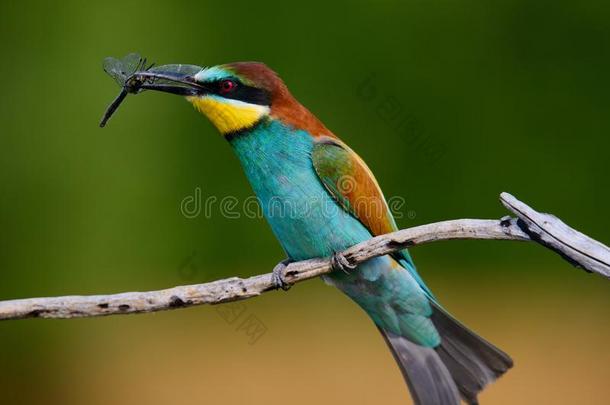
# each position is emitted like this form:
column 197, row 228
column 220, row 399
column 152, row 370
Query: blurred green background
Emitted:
column 449, row 102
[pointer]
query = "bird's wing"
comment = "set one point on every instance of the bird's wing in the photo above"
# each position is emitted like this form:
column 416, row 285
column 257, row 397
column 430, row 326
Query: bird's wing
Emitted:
column 352, row 184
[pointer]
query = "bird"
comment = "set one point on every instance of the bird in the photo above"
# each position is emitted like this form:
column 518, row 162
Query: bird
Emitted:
column 320, row 197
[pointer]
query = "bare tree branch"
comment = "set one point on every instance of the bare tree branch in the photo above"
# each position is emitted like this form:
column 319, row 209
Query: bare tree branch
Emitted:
column 577, row 248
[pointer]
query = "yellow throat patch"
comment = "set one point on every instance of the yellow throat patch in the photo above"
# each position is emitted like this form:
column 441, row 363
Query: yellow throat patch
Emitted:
column 229, row 115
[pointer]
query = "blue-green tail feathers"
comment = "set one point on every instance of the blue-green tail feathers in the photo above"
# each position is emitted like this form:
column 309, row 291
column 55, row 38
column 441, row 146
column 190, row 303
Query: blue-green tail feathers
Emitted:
column 472, row 361
column 463, row 362
column 427, row 377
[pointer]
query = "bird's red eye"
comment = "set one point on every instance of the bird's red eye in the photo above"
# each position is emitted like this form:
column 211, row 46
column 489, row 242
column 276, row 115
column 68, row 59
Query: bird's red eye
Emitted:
column 227, row 85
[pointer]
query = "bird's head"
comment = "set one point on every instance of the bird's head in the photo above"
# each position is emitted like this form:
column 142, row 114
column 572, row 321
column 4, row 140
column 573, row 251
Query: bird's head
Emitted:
column 235, row 96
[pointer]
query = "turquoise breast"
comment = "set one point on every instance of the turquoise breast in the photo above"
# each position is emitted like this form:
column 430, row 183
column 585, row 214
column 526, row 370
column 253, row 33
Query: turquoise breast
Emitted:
column 304, row 217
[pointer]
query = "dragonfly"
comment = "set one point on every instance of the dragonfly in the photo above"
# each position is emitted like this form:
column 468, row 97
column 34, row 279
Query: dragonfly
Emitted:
column 133, row 74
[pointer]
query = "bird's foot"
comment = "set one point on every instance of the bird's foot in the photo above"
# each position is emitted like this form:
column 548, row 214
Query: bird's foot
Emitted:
column 339, row 262
column 278, row 275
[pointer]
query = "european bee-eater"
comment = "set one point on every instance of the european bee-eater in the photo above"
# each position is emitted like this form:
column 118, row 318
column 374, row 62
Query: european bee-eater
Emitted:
column 320, row 198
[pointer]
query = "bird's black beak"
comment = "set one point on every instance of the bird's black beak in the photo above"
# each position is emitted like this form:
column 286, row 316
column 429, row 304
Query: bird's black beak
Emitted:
column 174, row 79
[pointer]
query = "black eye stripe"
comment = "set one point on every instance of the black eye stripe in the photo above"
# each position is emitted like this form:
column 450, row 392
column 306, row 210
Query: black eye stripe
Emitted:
column 242, row 92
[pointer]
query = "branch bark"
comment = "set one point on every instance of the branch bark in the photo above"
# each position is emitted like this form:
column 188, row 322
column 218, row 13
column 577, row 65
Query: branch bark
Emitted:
column 530, row 225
